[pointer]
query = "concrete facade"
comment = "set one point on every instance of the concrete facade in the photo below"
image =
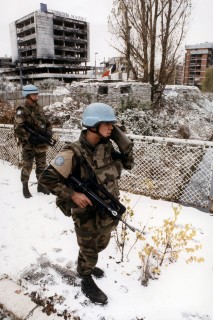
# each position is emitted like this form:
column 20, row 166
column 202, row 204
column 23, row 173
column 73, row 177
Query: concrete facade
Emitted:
column 49, row 44
column 116, row 93
column 45, row 35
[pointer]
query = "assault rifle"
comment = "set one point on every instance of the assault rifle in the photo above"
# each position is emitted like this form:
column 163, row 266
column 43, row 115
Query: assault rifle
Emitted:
column 106, row 202
column 42, row 137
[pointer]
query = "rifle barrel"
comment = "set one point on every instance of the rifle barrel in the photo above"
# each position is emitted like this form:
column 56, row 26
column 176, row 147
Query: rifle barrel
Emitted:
column 76, row 183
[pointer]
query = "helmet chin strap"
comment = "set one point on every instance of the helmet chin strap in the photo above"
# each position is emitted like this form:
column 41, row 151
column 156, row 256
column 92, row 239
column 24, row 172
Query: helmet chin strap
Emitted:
column 96, row 130
column 29, row 97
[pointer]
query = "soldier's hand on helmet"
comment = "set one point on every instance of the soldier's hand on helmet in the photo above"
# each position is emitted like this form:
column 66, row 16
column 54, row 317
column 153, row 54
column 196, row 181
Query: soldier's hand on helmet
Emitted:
column 81, row 199
column 116, row 133
column 123, row 142
column 117, row 130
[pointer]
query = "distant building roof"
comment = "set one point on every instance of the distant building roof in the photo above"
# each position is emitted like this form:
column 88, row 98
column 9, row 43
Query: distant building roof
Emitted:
column 200, row 46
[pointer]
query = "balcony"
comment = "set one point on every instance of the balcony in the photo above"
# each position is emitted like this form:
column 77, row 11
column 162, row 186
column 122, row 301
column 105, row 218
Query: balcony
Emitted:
column 69, row 29
column 27, row 48
column 33, row 56
column 57, row 27
column 25, row 28
column 67, row 48
column 27, row 38
column 71, row 58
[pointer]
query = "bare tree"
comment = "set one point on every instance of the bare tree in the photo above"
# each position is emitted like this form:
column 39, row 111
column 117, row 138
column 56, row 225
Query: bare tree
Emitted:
column 149, row 34
column 207, row 85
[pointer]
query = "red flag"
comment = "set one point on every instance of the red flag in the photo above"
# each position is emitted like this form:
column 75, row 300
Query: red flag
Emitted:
column 106, row 73
column 109, row 71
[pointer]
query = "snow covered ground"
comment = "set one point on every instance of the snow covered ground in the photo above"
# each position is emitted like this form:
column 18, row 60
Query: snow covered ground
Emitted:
column 38, row 249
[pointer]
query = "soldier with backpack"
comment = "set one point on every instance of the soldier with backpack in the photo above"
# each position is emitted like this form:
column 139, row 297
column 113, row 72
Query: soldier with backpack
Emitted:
column 93, row 157
column 31, row 115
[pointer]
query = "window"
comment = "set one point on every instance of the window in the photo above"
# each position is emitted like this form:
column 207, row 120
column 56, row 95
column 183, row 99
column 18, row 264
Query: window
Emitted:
column 125, row 89
column 103, row 90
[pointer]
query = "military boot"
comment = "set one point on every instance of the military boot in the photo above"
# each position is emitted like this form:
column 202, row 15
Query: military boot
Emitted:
column 98, row 272
column 42, row 189
column 91, row 290
column 26, row 191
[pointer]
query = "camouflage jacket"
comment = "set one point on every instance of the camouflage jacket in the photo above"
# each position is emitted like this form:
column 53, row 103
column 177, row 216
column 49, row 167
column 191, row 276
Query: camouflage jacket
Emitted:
column 102, row 159
column 32, row 115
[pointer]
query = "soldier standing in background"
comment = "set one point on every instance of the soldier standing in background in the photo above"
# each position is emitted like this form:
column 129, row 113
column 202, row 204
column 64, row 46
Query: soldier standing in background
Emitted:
column 91, row 157
column 33, row 148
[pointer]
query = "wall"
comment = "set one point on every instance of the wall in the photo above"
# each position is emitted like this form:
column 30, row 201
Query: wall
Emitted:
column 13, row 42
column 117, row 93
column 45, row 43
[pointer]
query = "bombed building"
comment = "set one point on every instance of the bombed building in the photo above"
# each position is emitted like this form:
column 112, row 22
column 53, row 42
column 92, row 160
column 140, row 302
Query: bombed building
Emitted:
column 49, row 44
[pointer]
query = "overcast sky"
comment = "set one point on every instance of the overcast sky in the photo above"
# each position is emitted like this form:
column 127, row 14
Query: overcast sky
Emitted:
column 96, row 13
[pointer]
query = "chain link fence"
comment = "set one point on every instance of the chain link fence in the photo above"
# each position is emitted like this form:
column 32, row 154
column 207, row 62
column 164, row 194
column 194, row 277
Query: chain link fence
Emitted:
column 169, row 169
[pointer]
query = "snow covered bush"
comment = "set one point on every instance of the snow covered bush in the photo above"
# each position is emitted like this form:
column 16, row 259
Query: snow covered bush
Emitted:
column 49, row 84
column 122, row 235
column 7, row 86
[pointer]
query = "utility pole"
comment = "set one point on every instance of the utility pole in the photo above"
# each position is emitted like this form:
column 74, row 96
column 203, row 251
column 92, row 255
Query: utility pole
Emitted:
column 95, row 63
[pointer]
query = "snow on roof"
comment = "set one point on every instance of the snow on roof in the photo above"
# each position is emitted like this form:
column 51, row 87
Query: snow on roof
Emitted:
column 174, row 90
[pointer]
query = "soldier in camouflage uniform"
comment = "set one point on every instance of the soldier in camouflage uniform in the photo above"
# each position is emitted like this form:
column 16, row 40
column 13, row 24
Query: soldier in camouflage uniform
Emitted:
column 31, row 114
column 92, row 156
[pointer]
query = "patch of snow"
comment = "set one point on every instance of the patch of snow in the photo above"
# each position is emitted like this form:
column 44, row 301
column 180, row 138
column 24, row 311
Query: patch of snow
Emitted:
column 35, row 235
column 60, row 91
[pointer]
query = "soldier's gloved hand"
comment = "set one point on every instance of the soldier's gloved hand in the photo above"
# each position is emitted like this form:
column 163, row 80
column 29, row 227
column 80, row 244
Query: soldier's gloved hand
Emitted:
column 23, row 140
column 49, row 134
column 120, row 138
column 122, row 127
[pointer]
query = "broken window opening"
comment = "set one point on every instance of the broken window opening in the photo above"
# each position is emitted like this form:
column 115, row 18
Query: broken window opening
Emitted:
column 103, row 90
column 125, row 89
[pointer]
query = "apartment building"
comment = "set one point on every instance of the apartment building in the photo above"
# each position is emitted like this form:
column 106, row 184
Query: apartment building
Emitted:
column 49, row 44
column 197, row 59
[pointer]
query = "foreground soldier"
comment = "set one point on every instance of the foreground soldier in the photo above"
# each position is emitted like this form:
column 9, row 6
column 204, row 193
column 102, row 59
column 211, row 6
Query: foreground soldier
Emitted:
column 94, row 157
column 31, row 114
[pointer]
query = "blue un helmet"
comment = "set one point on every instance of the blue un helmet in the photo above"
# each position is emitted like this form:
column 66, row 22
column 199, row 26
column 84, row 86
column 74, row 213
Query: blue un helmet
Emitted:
column 29, row 89
column 95, row 113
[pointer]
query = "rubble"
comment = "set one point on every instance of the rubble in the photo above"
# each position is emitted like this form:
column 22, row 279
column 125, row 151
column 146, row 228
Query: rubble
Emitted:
column 184, row 113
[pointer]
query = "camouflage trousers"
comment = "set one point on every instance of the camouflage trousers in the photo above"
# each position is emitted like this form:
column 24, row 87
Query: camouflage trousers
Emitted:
column 93, row 236
column 28, row 157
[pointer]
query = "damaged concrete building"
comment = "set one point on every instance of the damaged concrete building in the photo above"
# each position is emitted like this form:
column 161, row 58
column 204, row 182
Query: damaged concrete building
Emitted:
column 49, row 44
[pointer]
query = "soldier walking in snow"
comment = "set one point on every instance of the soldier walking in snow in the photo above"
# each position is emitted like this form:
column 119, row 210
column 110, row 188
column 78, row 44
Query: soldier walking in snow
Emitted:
column 33, row 148
column 91, row 157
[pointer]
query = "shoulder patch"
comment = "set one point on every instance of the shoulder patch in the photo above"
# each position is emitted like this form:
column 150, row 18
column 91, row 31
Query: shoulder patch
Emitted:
column 19, row 111
column 59, row 161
